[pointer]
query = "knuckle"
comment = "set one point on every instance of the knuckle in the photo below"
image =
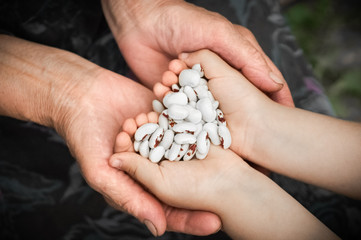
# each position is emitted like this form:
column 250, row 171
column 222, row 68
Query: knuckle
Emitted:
column 223, row 30
column 93, row 179
column 254, row 54
column 246, row 32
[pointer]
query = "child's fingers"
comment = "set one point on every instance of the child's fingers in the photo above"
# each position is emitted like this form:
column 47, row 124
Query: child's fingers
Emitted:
column 153, row 117
column 141, row 119
column 169, row 78
column 138, row 168
column 130, row 126
column 212, row 64
column 123, row 143
column 176, row 66
column 160, row 90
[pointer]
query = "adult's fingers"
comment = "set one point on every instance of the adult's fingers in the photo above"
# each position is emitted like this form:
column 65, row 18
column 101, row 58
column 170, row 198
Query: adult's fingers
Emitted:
column 192, row 222
column 140, row 169
column 283, row 96
column 235, row 48
column 178, row 220
column 124, row 194
column 240, row 49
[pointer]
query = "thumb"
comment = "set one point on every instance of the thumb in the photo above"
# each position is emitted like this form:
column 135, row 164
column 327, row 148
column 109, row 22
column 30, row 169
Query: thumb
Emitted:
column 125, row 194
column 137, row 167
column 179, row 220
column 240, row 49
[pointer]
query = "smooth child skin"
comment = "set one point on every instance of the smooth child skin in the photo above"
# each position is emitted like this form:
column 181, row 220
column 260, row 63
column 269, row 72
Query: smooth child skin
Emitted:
column 269, row 134
column 221, row 183
column 285, row 140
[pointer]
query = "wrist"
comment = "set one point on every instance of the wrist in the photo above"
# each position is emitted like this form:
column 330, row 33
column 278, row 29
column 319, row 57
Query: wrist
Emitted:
column 231, row 186
column 267, row 136
column 24, row 90
column 250, row 123
column 70, row 85
column 40, row 83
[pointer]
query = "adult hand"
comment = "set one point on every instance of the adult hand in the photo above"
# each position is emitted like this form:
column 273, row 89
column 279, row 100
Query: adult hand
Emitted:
column 151, row 33
column 87, row 105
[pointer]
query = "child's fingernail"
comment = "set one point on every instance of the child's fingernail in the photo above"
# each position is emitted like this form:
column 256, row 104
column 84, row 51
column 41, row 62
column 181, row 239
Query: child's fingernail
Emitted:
column 275, row 78
column 151, row 227
column 183, row 56
column 115, row 163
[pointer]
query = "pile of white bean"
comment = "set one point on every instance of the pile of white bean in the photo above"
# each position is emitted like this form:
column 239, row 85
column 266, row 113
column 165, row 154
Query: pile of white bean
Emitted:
column 189, row 121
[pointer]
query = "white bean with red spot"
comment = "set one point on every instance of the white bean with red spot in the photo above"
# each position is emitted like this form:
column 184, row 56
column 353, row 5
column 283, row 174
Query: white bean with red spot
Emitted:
column 157, row 106
column 136, row 146
column 190, row 94
column 144, row 149
column 204, row 105
column 189, row 77
column 174, row 151
column 185, row 127
column 178, row 112
column 220, row 118
column 145, row 131
column 212, row 130
column 199, row 69
column 163, row 120
column 156, row 137
column 156, row 154
column 167, row 139
column 189, row 122
column 190, row 152
column 179, row 98
column 202, row 155
column 185, row 138
column 225, row 136
column 182, row 151
column 175, row 88
column 202, row 142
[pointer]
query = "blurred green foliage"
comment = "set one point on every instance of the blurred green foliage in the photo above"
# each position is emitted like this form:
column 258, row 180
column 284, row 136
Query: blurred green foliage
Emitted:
column 308, row 20
column 316, row 25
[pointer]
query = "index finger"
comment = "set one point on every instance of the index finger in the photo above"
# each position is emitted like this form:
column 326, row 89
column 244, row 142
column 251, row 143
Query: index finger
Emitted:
column 240, row 49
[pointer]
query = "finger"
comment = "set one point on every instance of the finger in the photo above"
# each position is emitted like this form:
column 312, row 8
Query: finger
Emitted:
column 177, row 66
column 169, row 78
column 214, row 67
column 237, row 50
column 127, row 195
column 198, row 223
column 141, row 119
column 123, row 143
column 253, row 41
column 129, row 126
column 283, row 96
column 152, row 117
column 212, row 64
column 137, row 167
column 180, row 220
column 153, row 58
column 160, row 90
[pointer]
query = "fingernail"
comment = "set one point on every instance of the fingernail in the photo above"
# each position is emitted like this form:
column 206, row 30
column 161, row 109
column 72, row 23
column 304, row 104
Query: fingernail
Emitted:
column 183, row 56
column 115, row 163
column 275, row 78
column 151, row 227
